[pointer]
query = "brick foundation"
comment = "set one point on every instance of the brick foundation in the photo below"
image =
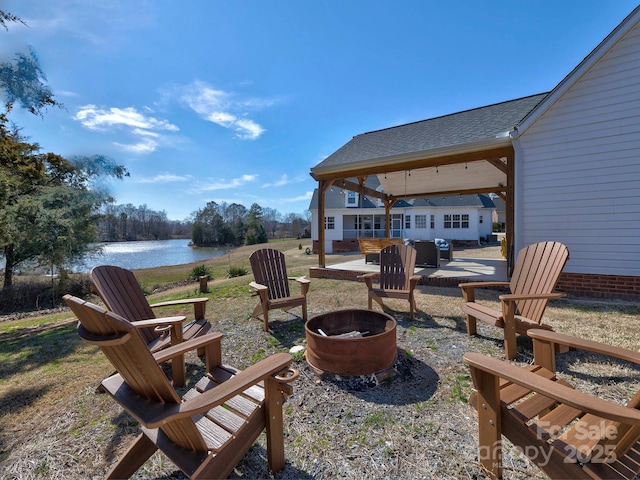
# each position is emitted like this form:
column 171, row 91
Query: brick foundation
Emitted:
column 600, row 286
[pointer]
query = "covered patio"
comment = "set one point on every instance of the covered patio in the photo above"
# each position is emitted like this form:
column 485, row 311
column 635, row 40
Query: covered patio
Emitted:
column 464, row 153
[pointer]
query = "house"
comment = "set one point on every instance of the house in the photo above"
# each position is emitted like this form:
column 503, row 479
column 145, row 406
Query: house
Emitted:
column 567, row 164
column 499, row 214
column 350, row 215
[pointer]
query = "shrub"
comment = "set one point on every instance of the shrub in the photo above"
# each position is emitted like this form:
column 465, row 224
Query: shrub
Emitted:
column 200, row 271
column 236, row 272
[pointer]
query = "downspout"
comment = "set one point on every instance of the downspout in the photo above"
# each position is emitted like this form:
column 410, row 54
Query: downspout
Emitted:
column 518, row 195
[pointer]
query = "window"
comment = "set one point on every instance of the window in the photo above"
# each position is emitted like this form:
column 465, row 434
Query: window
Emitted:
column 433, row 221
column 421, row 221
column 456, row 220
column 351, row 199
column 407, row 221
column 480, row 218
column 329, row 223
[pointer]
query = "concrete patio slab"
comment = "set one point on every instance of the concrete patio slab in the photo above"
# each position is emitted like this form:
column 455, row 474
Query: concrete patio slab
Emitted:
column 450, row 273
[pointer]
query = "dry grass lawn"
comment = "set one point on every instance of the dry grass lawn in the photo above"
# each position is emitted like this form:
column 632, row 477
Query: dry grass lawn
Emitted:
column 54, row 425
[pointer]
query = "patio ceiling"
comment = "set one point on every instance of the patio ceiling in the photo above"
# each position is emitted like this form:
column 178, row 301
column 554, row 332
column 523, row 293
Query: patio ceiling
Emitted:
column 465, row 173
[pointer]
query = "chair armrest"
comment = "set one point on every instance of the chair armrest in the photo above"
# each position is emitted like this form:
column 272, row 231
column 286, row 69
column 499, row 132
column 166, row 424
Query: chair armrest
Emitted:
column 469, row 289
column 368, row 279
column 304, row 284
column 300, row 280
column 187, row 346
column 553, row 390
column 257, row 286
column 413, row 281
column 583, row 344
column 159, row 322
column 199, row 305
column 471, row 285
column 223, row 392
column 510, row 297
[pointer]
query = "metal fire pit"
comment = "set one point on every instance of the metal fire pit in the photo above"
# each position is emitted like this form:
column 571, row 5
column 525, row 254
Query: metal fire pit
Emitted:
column 357, row 342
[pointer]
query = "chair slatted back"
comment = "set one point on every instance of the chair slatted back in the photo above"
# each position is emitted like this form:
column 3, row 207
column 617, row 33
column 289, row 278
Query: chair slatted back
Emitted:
column 125, row 348
column 397, row 263
column 269, row 269
column 119, row 290
column 537, row 270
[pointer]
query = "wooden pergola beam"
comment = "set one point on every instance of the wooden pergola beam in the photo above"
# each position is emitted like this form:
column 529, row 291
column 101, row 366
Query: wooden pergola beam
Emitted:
column 502, row 158
column 414, row 164
column 355, row 187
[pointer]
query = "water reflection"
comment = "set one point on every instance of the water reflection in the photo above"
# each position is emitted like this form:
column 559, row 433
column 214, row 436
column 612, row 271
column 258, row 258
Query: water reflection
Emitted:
column 147, row 254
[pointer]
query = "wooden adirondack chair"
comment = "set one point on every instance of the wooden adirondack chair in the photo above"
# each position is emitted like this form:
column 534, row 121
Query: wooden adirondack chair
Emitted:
column 272, row 285
column 397, row 263
column 535, row 275
column 121, row 293
column 209, row 430
column 566, row 433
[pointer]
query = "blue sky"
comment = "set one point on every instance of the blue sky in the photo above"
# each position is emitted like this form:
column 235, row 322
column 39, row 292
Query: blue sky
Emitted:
column 235, row 101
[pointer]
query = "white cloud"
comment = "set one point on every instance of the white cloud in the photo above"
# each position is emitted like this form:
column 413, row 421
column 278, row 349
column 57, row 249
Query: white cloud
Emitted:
column 144, row 128
column 144, row 146
column 167, row 178
column 222, row 184
column 284, row 180
column 222, row 108
column 248, row 129
column 100, row 119
column 306, row 196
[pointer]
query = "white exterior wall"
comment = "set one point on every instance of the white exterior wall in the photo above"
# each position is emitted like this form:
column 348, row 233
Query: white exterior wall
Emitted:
column 329, row 235
column 486, row 227
column 471, row 233
column 578, row 168
column 474, row 232
column 419, row 233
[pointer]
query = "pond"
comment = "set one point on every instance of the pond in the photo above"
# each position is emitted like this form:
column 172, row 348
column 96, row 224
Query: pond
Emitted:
column 148, row 254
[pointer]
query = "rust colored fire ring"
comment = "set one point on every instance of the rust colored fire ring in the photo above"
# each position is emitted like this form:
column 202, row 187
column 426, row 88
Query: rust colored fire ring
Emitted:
column 372, row 352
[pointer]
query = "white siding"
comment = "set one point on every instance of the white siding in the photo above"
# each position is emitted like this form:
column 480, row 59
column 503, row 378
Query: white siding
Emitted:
column 580, row 166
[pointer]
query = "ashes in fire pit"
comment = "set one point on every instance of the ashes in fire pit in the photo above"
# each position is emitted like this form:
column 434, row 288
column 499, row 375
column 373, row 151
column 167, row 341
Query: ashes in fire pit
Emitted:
column 351, row 342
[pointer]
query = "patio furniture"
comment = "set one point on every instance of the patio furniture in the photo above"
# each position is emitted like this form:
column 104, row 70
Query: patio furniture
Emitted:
column 207, row 431
column 119, row 290
column 272, row 285
column 397, row 263
column 566, row 433
column 446, row 249
column 370, row 247
column 427, row 253
column 535, row 275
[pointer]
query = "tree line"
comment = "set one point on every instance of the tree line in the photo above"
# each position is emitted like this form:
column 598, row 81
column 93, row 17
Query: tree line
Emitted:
column 213, row 225
column 234, row 224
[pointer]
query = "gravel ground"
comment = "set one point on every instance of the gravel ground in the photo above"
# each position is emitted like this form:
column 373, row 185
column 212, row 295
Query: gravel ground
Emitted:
column 417, row 425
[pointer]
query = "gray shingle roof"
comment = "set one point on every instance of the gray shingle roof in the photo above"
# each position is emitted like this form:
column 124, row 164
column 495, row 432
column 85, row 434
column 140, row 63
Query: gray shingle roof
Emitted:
column 447, row 131
column 335, row 200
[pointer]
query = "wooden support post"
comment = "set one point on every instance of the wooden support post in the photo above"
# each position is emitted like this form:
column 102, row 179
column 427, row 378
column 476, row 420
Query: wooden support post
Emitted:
column 544, row 354
column 178, row 370
column 510, row 338
column 275, row 424
column 204, row 284
column 489, row 422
